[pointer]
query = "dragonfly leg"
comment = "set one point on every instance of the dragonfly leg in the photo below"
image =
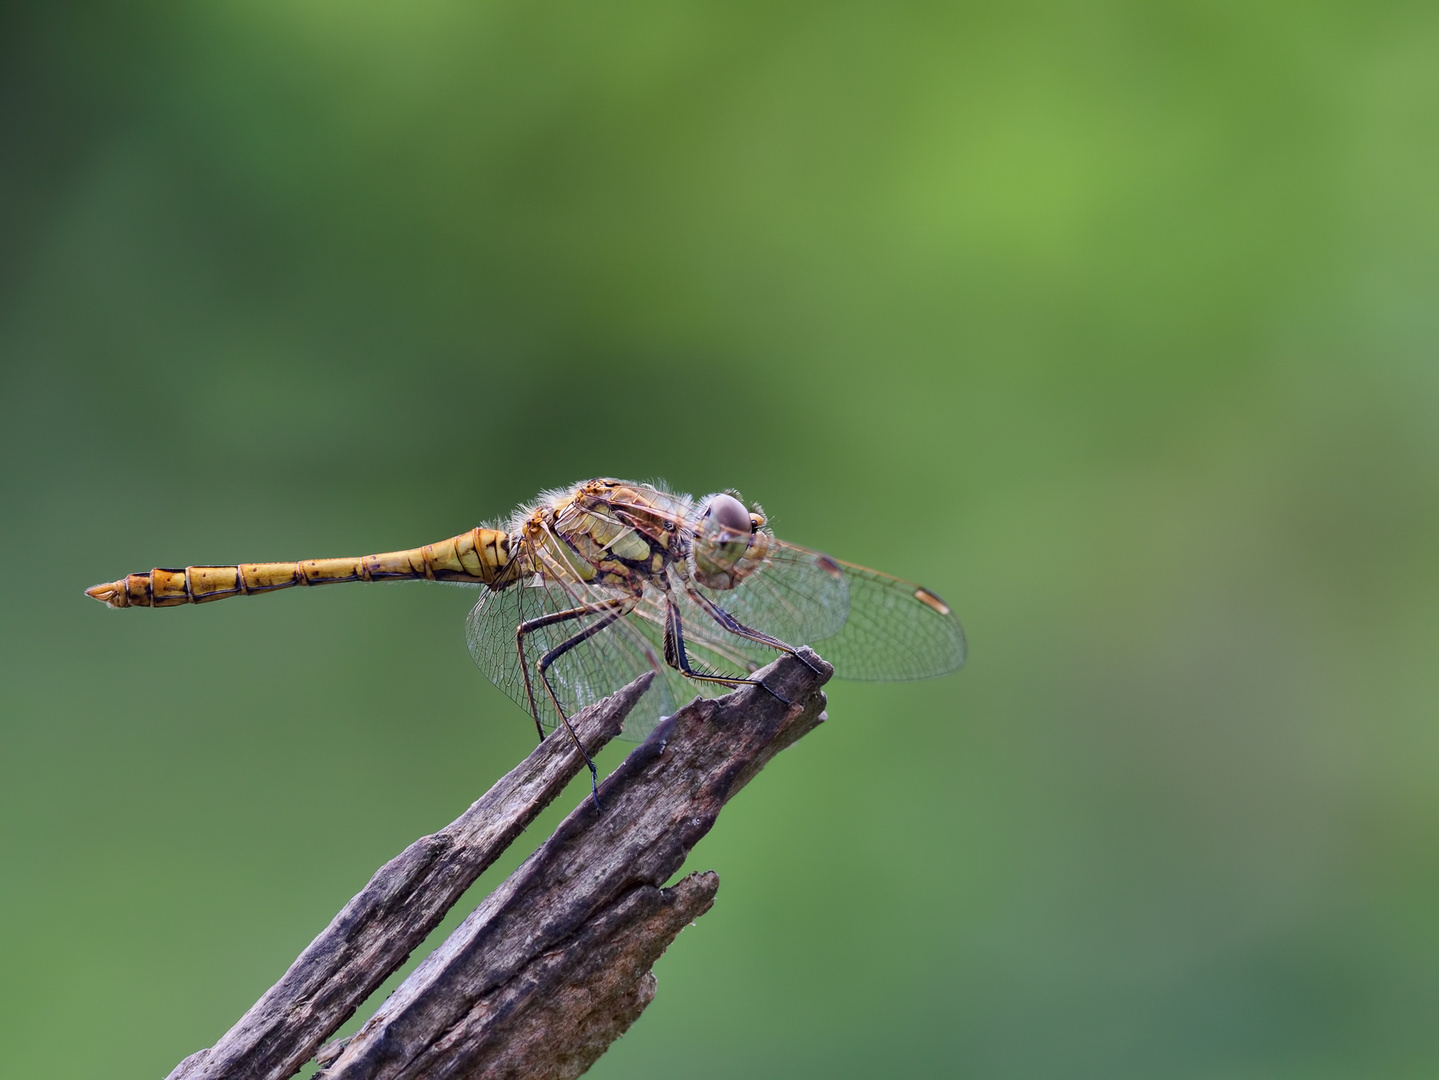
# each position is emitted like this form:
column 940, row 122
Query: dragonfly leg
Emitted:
column 739, row 629
column 529, row 626
column 609, row 611
column 678, row 658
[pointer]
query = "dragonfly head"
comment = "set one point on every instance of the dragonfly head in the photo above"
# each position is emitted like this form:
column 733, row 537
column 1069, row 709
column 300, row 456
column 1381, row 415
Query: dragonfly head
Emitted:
column 722, row 548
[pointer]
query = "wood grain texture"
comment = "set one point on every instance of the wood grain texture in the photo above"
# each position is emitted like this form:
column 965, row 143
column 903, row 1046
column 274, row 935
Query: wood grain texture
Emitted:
column 406, row 898
column 554, row 964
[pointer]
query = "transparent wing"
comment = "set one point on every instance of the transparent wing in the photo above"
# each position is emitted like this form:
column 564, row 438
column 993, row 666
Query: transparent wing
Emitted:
column 588, row 672
column 895, row 630
column 796, row 595
column 869, row 625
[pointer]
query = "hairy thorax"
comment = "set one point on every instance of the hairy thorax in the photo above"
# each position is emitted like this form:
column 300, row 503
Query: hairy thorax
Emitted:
column 609, row 533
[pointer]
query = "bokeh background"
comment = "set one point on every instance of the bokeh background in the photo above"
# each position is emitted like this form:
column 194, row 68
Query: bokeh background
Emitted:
column 1114, row 323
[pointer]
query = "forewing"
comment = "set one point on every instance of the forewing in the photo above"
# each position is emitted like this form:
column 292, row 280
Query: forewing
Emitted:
column 585, row 674
column 795, row 594
column 896, row 630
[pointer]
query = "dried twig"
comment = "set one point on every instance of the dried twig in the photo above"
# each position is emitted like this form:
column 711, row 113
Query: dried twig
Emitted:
column 554, row 964
column 406, row 898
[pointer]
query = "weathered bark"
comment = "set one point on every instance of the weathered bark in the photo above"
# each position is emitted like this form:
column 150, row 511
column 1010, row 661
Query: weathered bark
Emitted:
column 407, row 897
column 563, row 1007
column 555, row 964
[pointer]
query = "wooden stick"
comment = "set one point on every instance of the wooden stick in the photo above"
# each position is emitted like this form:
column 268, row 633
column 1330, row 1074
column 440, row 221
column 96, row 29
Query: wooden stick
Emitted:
column 407, row 897
column 554, row 964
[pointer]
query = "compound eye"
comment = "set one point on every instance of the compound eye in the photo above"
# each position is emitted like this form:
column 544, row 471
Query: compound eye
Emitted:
column 730, row 514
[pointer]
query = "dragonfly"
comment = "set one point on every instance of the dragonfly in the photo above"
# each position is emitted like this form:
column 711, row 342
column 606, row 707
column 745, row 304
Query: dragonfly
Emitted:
column 588, row 587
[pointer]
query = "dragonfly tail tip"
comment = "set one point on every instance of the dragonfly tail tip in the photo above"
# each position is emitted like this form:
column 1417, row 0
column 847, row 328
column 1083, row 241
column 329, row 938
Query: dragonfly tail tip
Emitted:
column 107, row 593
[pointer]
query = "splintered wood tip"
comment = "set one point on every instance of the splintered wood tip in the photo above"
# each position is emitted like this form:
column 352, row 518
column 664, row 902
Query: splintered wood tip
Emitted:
column 107, row 593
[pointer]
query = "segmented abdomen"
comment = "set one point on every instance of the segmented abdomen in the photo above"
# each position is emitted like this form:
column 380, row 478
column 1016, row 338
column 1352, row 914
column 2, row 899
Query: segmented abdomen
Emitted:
column 481, row 556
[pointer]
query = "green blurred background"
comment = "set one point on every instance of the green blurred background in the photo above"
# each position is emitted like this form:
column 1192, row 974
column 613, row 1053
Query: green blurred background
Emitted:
column 1114, row 323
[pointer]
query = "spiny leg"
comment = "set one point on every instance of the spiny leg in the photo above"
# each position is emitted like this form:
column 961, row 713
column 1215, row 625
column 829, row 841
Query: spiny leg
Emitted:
column 739, row 629
column 618, row 609
column 529, row 626
column 677, row 657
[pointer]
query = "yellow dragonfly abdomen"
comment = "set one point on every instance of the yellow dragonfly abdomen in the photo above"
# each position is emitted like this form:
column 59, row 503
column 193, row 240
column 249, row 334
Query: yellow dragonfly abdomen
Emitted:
column 479, row 557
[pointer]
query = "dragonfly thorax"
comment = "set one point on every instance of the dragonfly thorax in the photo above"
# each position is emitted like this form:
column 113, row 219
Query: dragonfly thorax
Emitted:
column 607, row 532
